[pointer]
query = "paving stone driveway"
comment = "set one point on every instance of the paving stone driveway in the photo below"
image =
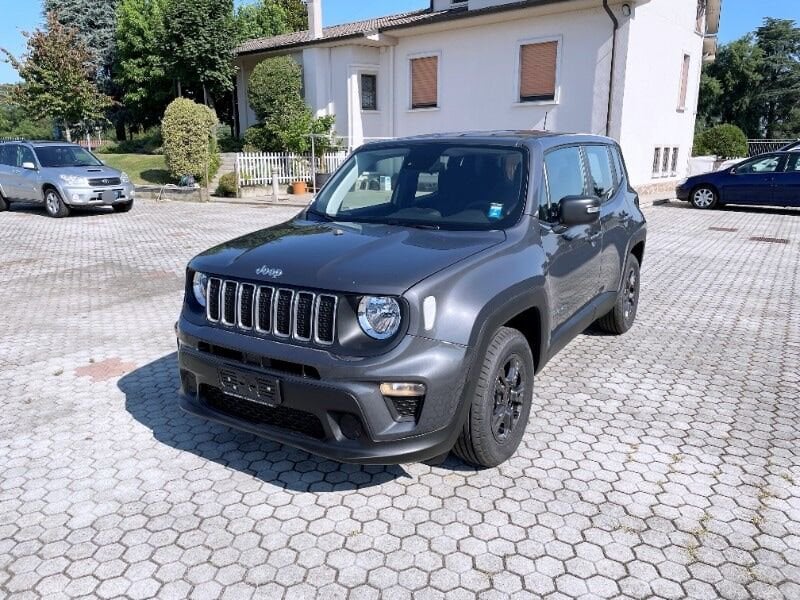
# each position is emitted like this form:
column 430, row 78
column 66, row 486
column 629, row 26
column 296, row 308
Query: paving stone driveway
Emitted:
column 661, row 464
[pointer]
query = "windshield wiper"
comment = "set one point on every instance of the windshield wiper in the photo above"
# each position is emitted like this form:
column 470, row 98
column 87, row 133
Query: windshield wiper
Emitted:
column 413, row 224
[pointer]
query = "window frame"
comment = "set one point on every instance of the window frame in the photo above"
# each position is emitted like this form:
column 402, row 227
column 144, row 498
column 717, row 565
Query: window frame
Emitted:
column 517, row 97
column 553, row 214
column 781, row 168
column 368, row 73
column 410, row 62
column 683, row 92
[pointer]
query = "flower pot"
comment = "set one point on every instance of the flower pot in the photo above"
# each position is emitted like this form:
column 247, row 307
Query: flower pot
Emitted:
column 299, row 188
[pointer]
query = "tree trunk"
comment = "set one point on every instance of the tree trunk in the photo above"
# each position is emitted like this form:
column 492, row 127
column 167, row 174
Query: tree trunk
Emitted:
column 205, row 95
column 120, row 127
column 180, row 91
column 68, row 134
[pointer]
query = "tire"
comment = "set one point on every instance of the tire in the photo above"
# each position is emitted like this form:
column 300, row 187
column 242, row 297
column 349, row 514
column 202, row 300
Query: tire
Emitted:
column 123, row 207
column 500, row 408
column 54, row 204
column 704, row 197
column 621, row 318
column 3, row 203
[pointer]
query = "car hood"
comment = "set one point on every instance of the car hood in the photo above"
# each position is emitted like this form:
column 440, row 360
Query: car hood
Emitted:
column 343, row 257
column 91, row 172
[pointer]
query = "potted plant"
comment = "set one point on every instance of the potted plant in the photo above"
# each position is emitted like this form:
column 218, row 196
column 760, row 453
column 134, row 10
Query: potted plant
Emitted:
column 300, row 186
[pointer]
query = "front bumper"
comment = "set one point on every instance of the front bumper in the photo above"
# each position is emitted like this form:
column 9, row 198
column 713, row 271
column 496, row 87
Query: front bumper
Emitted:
column 338, row 412
column 81, row 196
column 682, row 192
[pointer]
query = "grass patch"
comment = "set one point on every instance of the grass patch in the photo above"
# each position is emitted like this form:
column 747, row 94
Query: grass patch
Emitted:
column 143, row 169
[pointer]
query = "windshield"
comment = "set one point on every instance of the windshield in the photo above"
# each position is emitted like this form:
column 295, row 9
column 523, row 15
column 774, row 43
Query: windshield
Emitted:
column 66, row 156
column 436, row 185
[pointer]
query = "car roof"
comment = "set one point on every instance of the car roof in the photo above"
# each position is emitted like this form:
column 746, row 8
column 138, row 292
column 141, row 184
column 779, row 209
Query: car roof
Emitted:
column 546, row 139
column 40, row 142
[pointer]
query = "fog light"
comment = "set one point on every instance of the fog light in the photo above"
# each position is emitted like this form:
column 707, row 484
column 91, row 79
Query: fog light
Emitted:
column 403, row 390
column 351, row 427
column 76, row 197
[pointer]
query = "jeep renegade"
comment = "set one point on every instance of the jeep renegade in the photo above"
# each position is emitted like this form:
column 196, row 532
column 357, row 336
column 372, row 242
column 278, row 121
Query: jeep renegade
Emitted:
column 406, row 311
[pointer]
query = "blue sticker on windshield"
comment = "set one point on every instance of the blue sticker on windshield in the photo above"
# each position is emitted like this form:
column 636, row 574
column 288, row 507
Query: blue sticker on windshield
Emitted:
column 495, row 211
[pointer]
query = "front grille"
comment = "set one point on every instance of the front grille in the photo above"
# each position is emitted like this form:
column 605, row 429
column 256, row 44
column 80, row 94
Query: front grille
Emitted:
column 282, row 313
column 100, row 182
column 407, row 408
column 291, row 419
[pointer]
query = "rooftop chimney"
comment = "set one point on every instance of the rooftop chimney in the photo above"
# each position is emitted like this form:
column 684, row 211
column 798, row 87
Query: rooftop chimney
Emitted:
column 315, row 18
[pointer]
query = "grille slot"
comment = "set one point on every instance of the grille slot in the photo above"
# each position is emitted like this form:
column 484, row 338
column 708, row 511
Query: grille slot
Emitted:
column 264, row 310
column 325, row 318
column 407, row 408
column 245, row 305
column 303, row 316
column 300, row 315
column 283, row 313
column 212, row 301
column 229, row 303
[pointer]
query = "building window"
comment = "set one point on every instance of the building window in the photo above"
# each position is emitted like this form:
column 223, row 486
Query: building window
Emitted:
column 537, row 72
column 674, row 168
column 369, row 91
column 687, row 61
column 657, row 162
column 425, row 82
column 665, row 163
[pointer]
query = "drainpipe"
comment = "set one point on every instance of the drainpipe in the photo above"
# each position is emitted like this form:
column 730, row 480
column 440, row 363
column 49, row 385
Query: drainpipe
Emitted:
column 615, row 21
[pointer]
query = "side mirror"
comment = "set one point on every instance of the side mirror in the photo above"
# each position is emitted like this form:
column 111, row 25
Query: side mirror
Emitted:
column 29, row 166
column 579, row 210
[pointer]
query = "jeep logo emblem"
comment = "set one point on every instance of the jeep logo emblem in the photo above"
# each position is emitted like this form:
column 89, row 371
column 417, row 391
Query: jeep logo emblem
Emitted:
column 272, row 273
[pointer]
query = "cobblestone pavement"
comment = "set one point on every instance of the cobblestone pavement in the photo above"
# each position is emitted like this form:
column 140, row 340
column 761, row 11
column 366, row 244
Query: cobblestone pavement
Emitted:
column 664, row 463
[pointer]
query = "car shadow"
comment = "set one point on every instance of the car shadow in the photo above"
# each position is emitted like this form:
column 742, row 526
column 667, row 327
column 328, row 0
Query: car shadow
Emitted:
column 151, row 397
column 39, row 210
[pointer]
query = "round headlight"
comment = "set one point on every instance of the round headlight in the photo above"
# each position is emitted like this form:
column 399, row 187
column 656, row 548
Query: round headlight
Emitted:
column 200, row 285
column 379, row 317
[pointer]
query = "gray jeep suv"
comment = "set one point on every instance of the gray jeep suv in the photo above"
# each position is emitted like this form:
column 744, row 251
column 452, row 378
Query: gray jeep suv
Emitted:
column 406, row 311
column 60, row 176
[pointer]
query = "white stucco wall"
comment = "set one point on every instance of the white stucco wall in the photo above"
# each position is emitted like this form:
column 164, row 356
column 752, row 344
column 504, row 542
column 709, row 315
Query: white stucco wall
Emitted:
column 479, row 72
column 661, row 32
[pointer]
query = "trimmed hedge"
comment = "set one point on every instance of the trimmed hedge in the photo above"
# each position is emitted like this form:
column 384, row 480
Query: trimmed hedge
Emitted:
column 723, row 141
column 226, row 187
column 189, row 132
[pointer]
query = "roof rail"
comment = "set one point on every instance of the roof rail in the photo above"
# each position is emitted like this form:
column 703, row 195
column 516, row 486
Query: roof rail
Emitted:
column 12, row 139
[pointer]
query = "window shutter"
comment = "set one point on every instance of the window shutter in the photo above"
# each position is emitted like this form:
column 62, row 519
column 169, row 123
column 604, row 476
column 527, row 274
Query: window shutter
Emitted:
column 538, row 71
column 684, row 81
column 425, row 82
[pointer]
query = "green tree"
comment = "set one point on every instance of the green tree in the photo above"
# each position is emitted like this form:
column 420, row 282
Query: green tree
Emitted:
column 264, row 18
column 58, row 82
column 729, row 85
column 198, row 45
column 141, row 69
column 14, row 122
column 94, row 21
column 296, row 14
column 779, row 96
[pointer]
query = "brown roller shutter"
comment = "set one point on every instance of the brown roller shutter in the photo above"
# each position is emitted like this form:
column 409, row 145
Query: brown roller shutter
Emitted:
column 425, row 82
column 538, row 72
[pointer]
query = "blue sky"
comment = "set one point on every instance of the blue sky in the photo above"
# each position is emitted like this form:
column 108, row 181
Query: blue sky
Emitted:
column 738, row 17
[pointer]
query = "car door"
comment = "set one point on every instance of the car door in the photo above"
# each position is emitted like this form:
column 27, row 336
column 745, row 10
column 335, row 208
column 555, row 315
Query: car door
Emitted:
column 11, row 171
column 787, row 182
column 27, row 179
column 573, row 253
column 752, row 182
column 606, row 183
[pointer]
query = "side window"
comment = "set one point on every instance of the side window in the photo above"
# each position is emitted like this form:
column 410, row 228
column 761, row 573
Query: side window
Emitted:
column 6, row 157
column 619, row 166
column 564, row 178
column 793, row 166
column 601, row 180
column 25, row 155
column 764, row 164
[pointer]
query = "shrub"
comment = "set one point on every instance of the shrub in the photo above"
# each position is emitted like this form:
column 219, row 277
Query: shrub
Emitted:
column 275, row 85
column 227, row 186
column 189, row 131
column 723, row 141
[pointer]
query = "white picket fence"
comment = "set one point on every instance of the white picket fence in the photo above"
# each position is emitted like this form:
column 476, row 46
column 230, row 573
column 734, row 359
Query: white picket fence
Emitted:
column 259, row 168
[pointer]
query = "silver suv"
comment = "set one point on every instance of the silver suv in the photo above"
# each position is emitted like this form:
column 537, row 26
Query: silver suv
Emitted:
column 61, row 176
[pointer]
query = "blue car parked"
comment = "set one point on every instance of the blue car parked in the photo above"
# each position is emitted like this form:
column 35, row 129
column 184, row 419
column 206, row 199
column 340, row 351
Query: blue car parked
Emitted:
column 768, row 180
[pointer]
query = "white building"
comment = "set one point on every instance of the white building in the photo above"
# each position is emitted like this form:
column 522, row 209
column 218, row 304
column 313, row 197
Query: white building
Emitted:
column 505, row 64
